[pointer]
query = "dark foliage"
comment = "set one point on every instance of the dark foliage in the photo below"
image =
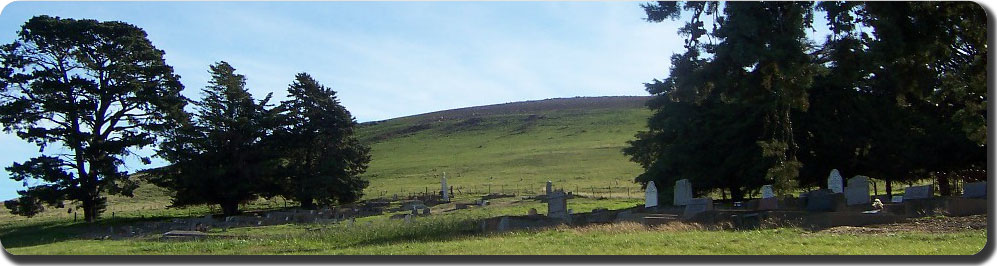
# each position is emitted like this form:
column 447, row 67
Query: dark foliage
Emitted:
column 220, row 156
column 322, row 158
column 98, row 90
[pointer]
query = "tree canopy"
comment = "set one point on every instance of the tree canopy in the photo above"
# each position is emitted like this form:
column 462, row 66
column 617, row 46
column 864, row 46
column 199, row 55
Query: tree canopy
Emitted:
column 97, row 91
column 896, row 91
column 322, row 156
column 220, row 156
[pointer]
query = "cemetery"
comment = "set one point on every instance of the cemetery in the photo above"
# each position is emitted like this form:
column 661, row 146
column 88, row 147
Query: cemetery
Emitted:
column 856, row 210
column 734, row 150
column 815, row 210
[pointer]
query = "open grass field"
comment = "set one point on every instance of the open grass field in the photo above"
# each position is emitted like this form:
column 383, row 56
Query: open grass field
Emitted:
column 576, row 147
column 510, row 148
column 454, row 233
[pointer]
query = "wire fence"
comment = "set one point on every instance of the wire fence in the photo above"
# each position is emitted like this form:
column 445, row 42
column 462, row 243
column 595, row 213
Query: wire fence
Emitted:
column 607, row 191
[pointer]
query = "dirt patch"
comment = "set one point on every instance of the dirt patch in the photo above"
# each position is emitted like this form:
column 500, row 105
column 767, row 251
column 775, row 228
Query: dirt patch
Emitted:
column 927, row 224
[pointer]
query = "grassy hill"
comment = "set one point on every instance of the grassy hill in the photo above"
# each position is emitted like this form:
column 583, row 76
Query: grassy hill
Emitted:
column 574, row 142
column 504, row 147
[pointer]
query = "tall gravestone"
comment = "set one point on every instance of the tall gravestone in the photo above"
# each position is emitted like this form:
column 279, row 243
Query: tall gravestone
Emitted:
column 683, row 192
column 443, row 187
column 651, row 195
column 557, row 205
column 834, row 182
column 550, row 187
column 857, row 190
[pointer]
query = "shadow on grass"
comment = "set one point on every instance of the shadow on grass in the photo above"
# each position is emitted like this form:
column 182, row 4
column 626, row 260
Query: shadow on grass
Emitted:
column 41, row 233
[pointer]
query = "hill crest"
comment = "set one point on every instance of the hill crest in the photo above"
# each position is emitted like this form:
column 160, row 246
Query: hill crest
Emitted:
column 526, row 107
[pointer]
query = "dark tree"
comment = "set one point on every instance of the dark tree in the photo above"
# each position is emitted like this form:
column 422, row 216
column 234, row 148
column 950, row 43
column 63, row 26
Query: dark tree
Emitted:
column 96, row 90
column 931, row 61
column 322, row 156
column 723, row 116
column 910, row 94
column 896, row 92
column 220, row 156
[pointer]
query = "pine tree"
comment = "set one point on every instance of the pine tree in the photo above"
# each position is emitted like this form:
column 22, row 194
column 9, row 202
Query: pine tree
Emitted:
column 220, row 156
column 322, row 156
column 99, row 90
column 723, row 116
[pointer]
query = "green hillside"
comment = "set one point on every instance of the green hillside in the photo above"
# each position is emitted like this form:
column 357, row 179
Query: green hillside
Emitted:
column 574, row 142
column 571, row 141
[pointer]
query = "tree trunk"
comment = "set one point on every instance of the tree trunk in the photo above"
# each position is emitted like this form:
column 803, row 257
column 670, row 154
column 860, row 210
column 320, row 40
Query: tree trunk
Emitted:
column 736, row 194
column 307, row 203
column 90, row 210
column 230, row 208
column 889, row 188
column 943, row 184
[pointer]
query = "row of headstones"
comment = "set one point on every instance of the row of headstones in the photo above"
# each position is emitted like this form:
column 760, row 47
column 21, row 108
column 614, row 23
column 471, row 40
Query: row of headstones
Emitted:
column 681, row 197
column 856, row 192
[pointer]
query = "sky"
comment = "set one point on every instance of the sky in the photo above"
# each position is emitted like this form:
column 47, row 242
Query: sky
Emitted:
column 387, row 59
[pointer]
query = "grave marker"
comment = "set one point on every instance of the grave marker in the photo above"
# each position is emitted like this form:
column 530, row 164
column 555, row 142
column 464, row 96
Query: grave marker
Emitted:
column 897, row 199
column 767, row 192
column 557, row 205
column 697, row 205
column 919, row 192
column 857, row 191
column 683, row 192
column 820, row 201
column 443, row 187
column 651, row 195
column 834, row 181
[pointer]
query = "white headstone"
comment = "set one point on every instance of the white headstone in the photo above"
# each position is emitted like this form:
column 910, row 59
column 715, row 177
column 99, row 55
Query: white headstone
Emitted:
column 834, row 182
column 767, row 192
column 683, row 192
column 650, row 195
column 443, row 187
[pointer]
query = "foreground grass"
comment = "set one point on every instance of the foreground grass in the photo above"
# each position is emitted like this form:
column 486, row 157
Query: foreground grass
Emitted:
column 455, row 233
column 619, row 239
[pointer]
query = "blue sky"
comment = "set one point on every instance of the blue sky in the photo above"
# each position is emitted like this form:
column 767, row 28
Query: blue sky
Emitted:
column 388, row 59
